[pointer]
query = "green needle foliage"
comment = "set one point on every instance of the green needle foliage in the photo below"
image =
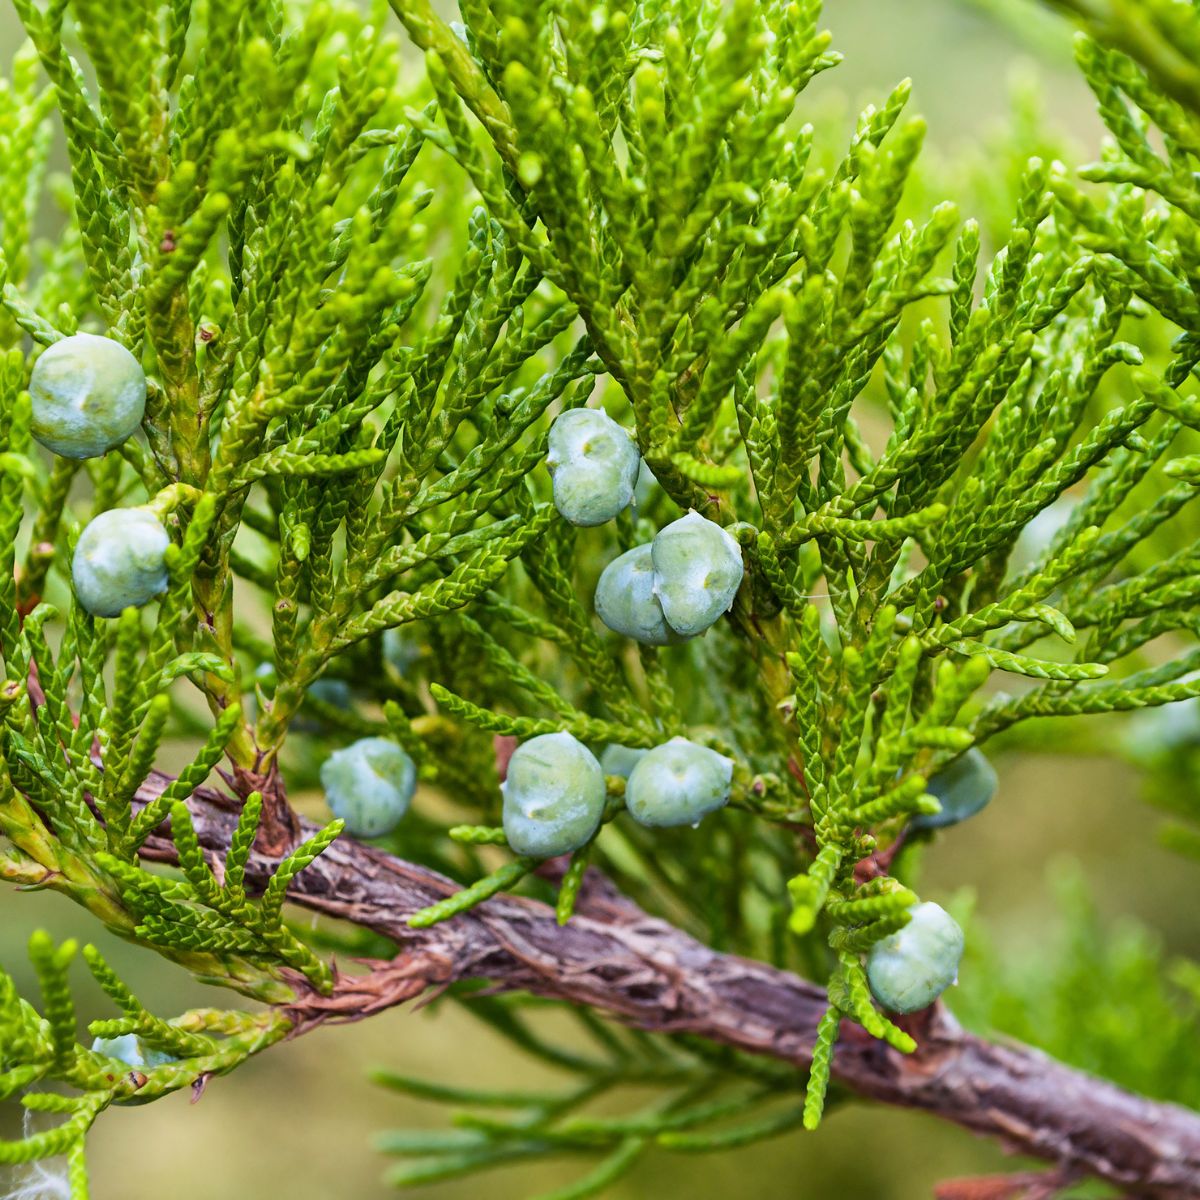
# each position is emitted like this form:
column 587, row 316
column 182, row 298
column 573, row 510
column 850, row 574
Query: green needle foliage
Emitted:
column 705, row 1101
column 361, row 291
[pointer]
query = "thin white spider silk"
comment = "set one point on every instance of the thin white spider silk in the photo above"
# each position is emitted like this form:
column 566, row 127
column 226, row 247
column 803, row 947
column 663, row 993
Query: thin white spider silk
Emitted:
column 37, row 1181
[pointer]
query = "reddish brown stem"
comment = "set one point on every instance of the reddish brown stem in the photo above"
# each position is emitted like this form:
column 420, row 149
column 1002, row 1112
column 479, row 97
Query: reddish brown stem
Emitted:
column 615, row 958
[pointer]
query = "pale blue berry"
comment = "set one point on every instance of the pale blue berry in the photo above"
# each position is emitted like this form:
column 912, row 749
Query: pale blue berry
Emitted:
column 120, row 561
column 126, row 1049
column 1035, row 539
column 369, row 785
column 401, row 651
column 554, row 796
column 620, row 760
column 88, row 395
column 626, row 602
column 697, row 572
column 964, row 787
column 332, row 691
column 677, row 783
column 911, row 968
column 644, row 488
column 594, row 464
column 131, row 1050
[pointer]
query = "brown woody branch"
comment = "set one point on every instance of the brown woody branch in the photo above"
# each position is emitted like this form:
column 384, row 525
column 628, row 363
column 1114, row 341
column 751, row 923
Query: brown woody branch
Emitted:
column 618, row 960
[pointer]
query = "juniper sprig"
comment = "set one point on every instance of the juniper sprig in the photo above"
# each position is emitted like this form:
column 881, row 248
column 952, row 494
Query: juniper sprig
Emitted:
column 840, row 485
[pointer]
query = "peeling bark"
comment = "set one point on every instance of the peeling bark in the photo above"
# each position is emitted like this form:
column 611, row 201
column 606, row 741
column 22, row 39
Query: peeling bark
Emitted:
column 617, row 959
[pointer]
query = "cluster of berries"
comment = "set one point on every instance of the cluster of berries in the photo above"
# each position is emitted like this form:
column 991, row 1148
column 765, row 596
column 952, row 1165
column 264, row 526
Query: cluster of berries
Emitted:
column 660, row 593
column 88, row 395
column 555, row 792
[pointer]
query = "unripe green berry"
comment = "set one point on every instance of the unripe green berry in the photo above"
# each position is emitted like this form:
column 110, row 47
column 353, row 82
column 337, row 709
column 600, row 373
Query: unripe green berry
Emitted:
column 620, row 760
column 88, row 395
column 963, row 786
column 626, row 603
column 553, row 796
column 677, row 783
column 698, row 570
column 120, row 561
column 594, row 463
column 369, row 785
column 911, row 968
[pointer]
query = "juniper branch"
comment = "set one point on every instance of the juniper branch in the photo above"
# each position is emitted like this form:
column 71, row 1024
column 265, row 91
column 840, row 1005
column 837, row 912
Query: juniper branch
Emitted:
column 616, row 959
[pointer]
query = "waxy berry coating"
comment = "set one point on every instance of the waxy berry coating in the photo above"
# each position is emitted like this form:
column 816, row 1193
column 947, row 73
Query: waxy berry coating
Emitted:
column 120, row 561
column 554, row 796
column 620, row 760
column 594, row 464
column 88, row 395
column 626, row 601
column 369, row 785
column 131, row 1050
column 911, row 968
column 963, row 786
column 677, row 783
column 697, row 571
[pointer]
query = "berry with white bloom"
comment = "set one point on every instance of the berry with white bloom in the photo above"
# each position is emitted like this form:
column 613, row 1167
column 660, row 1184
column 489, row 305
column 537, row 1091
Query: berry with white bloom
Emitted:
column 626, row 601
column 698, row 570
column 911, row 968
column 594, row 464
column 369, row 785
column 677, row 783
column 120, row 561
column 88, row 394
column 554, row 796
column 620, row 760
column 964, row 786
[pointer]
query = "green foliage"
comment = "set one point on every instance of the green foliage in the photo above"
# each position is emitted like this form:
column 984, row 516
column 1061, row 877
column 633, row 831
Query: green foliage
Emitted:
column 1161, row 35
column 706, row 1101
column 1168, row 750
column 360, row 298
column 41, row 1048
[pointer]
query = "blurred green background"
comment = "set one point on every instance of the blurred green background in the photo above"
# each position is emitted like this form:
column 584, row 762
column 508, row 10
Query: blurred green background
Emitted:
column 297, row 1121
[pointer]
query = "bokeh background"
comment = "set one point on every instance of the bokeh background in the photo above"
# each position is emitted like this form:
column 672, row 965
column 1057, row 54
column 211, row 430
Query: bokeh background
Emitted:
column 297, row 1122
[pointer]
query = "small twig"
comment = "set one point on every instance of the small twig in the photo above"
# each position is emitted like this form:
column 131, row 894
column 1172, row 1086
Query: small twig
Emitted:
column 1020, row 1185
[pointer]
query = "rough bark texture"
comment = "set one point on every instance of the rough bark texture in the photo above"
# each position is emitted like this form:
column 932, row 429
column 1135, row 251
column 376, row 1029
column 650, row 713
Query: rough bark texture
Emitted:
column 618, row 960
